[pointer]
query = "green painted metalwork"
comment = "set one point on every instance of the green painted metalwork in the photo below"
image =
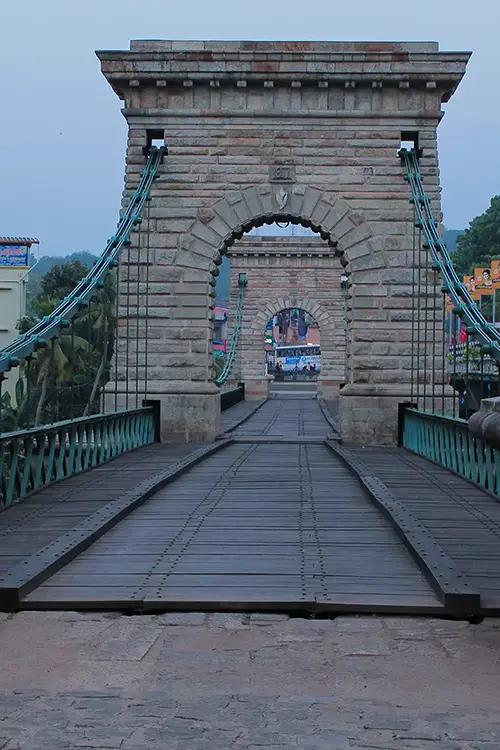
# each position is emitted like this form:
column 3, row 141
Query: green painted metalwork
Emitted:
column 49, row 327
column 447, row 441
column 235, row 339
column 464, row 306
column 32, row 459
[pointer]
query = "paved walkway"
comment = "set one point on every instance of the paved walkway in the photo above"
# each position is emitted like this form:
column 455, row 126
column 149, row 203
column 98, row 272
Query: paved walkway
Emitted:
column 260, row 682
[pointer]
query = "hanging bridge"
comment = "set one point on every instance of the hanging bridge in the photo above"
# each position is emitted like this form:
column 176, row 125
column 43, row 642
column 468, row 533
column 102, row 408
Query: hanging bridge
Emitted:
column 134, row 475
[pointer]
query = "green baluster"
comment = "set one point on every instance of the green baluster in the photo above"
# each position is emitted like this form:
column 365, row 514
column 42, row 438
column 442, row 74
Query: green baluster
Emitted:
column 61, row 456
column 10, row 494
column 26, row 483
column 39, row 462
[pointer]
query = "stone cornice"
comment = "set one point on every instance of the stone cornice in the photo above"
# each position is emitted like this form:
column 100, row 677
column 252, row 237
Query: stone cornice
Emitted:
column 294, row 64
column 343, row 114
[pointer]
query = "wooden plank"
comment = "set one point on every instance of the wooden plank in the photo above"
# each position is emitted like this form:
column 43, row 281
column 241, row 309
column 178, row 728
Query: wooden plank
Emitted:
column 456, row 592
column 23, row 577
column 316, row 542
column 462, row 517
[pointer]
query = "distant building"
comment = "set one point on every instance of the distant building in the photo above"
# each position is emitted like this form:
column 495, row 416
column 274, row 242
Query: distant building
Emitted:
column 14, row 267
column 220, row 330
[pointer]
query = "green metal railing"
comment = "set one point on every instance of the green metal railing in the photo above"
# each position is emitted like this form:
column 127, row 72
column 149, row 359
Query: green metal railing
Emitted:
column 32, row 459
column 447, row 441
column 235, row 339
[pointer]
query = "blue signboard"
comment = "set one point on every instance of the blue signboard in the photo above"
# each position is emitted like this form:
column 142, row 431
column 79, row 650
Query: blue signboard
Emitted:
column 14, row 255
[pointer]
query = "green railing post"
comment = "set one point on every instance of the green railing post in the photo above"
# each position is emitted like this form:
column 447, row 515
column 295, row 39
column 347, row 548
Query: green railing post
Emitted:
column 447, row 441
column 32, row 459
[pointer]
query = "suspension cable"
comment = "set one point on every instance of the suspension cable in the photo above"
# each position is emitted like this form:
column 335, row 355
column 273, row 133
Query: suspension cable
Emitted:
column 49, row 327
column 464, row 305
column 235, row 339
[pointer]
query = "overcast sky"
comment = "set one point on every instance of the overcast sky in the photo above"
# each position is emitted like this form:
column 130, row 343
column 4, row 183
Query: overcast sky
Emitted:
column 63, row 138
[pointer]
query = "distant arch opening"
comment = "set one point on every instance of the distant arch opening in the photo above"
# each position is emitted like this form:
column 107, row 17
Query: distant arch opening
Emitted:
column 293, row 288
column 292, row 344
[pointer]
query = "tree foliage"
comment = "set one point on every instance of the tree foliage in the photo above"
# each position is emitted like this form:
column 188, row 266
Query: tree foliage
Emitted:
column 62, row 279
column 44, row 265
column 64, row 378
column 480, row 243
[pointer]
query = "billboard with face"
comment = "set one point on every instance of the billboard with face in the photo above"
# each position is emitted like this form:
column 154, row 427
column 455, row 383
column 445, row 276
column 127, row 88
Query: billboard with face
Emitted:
column 483, row 280
column 470, row 283
column 495, row 273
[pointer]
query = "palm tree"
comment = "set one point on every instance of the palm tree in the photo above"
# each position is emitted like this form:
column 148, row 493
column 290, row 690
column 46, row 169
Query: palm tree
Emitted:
column 58, row 363
column 103, row 325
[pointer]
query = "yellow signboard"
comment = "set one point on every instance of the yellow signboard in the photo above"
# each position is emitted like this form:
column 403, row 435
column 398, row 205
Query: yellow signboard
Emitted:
column 483, row 280
column 495, row 273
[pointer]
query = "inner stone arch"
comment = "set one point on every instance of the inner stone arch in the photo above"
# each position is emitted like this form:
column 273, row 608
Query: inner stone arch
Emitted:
column 346, row 240
column 282, row 273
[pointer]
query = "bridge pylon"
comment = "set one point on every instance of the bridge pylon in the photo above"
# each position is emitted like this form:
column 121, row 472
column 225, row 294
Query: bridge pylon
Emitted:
column 283, row 131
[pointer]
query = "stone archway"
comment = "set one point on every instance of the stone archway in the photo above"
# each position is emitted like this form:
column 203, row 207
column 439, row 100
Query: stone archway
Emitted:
column 288, row 272
column 218, row 226
column 252, row 350
column 259, row 131
column 347, row 235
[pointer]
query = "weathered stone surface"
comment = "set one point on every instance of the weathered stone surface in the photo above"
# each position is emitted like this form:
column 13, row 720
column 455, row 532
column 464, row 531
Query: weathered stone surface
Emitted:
column 328, row 117
column 308, row 278
column 248, row 682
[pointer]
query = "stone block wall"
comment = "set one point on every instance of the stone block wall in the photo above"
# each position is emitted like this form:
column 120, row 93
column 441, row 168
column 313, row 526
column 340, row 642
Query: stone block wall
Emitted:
column 292, row 131
column 284, row 272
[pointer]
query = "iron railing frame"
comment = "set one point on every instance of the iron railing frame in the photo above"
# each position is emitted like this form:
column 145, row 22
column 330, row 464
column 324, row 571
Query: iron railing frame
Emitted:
column 32, row 459
column 446, row 441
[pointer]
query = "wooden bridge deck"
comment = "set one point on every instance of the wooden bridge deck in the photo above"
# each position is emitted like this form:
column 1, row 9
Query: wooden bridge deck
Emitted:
column 273, row 520
column 254, row 524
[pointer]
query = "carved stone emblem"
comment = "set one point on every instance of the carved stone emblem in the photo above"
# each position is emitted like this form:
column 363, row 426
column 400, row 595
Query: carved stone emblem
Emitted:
column 281, row 198
column 282, row 173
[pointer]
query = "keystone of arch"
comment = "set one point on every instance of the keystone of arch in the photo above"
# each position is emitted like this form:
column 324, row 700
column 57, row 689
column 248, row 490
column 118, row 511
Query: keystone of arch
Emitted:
column 227, row 220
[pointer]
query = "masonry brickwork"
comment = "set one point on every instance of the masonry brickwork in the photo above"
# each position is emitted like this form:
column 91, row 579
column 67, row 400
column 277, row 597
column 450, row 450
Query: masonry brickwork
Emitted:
column 302, row 131
column 284, row 272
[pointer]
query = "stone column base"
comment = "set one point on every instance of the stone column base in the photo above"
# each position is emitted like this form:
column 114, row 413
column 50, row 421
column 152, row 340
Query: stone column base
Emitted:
column 189, row 412
column 189, row 417
column 329, row 389
column 369, row 414
column 256, row 390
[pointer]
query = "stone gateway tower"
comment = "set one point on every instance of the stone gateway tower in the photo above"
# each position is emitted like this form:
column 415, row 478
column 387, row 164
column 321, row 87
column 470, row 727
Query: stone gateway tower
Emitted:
column 306, row 132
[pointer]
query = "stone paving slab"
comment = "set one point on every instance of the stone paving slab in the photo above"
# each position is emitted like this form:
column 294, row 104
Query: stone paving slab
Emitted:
column 200, row 682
